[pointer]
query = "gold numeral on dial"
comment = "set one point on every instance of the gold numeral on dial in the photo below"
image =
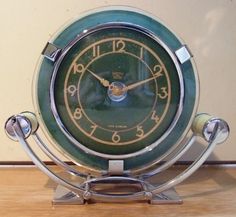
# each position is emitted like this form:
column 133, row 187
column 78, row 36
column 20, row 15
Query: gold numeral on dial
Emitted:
column 71, row 90
column 118, row 46
column 115, row 137
column 77, row 114
column 141, row 53
column 140, row 132
column 78, row 68
column 155, row 117
column 163, row 93
column 93, row 127
column 96, row 51
column 157, row 69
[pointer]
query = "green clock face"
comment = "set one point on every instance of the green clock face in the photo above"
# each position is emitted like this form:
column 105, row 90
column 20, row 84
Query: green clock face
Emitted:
column 116, row 90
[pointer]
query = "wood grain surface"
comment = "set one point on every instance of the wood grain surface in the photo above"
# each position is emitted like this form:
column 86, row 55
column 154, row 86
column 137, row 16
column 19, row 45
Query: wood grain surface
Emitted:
column 26, row 191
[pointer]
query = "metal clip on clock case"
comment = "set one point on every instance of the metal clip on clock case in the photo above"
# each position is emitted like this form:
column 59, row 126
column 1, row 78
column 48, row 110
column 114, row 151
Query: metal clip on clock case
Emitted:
column 116, row 92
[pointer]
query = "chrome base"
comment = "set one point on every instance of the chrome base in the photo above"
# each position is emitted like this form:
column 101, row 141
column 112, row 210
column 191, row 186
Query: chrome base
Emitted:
column 169, row 196
column 79, row 187
column 63, row 196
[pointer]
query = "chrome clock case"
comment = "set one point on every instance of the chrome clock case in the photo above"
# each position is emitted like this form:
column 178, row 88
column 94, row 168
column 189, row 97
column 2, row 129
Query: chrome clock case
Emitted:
column 97, row 168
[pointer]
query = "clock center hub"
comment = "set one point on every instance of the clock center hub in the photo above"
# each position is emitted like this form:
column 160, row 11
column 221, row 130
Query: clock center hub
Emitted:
column 117, row 91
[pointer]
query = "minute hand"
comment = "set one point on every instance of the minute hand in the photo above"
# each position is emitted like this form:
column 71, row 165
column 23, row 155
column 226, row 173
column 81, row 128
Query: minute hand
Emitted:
column 131, row 86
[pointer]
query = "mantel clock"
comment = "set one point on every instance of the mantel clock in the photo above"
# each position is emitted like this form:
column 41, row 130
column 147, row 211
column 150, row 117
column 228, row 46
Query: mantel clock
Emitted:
column 116, row 92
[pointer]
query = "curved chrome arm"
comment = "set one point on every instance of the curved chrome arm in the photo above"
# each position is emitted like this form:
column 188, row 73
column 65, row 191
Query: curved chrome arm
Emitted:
column 218, row 133
column 204, row 126
column 55, row 159
column 173, row 160
column 21, row 138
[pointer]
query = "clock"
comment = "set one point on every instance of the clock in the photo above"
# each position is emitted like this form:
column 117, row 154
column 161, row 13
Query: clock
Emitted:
column 117, row 91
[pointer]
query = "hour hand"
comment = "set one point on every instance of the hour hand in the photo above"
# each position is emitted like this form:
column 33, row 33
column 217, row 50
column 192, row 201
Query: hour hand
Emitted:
column 103, row 81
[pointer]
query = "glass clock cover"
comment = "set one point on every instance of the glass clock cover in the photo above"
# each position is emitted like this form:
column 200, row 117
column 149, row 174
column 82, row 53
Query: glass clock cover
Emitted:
column 117, row 90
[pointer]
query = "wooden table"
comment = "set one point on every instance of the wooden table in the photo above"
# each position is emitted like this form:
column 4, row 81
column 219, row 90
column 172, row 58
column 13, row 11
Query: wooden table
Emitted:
column 26, row 191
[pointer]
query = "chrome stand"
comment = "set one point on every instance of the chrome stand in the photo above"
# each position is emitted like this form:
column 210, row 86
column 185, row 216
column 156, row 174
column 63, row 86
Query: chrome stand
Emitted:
column 84, row 187
column 64, row 196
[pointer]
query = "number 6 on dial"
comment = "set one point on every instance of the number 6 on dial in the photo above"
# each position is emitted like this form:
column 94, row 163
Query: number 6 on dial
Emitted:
column 115, row 137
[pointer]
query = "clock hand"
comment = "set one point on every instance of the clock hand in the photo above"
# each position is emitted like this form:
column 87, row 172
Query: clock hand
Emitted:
column 131, row 86
column 103, row 81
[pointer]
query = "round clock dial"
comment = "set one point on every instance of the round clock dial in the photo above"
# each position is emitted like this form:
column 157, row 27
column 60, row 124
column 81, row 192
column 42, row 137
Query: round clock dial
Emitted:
column 116, row 90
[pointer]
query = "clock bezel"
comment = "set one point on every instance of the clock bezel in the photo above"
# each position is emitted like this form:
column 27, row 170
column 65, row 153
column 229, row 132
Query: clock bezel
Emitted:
column 117, row 25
